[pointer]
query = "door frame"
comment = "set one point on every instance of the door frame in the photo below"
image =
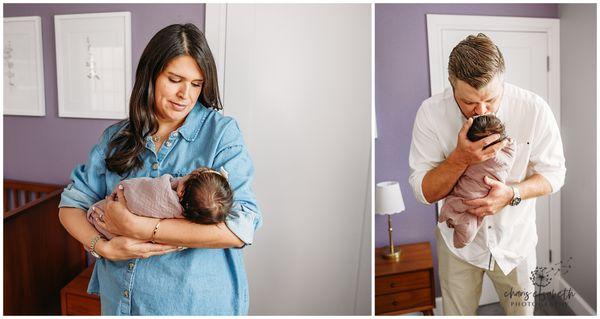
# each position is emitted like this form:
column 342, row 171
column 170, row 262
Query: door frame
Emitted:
column 215, row 31
column 437, row 23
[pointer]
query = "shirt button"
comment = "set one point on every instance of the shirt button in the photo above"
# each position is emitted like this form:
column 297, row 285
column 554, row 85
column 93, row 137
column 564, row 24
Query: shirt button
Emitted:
column 130, row 266
column 126, row 293
column 155, row 166
column 489, row 227
column 168, row 143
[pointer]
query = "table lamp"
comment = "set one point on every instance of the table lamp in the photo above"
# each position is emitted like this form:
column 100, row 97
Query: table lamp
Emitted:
column 388, row 201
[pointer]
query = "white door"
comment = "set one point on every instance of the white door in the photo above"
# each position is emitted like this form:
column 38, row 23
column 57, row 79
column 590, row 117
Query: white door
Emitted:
column 529, row 49
column 298, row 80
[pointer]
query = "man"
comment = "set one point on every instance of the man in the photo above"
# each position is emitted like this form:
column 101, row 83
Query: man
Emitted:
column 504, row 246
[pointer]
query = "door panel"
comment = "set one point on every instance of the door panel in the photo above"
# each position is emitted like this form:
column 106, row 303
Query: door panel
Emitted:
column 298, row 79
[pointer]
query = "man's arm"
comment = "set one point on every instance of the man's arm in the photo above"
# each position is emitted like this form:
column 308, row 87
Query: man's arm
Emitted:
column 501, row 194
column 533, row 186
column 439, row 181
column 547, row 163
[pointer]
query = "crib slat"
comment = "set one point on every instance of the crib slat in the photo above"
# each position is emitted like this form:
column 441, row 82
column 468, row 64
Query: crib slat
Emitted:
column 6, row 200
column 22, row 198
column 12, row 200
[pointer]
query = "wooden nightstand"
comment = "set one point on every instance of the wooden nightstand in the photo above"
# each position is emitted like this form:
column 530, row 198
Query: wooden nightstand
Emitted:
column 74, row 298
column 406, row 285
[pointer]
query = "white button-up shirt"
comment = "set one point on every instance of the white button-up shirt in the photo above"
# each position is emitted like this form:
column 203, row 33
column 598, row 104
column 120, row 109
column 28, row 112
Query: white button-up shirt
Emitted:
column 510, row 235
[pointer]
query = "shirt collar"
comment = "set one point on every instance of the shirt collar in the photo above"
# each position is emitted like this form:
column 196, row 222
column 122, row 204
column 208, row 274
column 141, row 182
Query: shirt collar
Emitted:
column 193, row 122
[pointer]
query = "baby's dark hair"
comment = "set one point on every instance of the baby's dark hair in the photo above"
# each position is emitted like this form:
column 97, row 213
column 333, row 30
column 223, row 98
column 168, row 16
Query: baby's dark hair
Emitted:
column 207, row 197
column 486, row 125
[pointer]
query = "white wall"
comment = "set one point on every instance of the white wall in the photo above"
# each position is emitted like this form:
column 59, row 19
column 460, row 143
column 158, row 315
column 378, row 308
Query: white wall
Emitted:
column 578, row 100
column 298, row 80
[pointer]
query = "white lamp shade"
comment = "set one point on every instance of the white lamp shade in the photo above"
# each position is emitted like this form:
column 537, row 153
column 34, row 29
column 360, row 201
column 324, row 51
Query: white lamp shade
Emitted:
column 388, row 198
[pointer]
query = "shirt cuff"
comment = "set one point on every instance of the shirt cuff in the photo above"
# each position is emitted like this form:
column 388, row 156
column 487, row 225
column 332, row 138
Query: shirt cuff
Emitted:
column 416, row 182
column 556, row 179
column 72, row 197
column 242, row 221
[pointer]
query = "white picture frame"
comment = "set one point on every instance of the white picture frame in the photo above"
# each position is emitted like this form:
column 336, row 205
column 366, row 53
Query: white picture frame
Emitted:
column 93, row 64
column 23, row 63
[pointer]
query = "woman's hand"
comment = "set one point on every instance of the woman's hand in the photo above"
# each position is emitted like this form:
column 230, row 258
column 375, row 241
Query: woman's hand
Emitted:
column 123, row 248
column 117, row 218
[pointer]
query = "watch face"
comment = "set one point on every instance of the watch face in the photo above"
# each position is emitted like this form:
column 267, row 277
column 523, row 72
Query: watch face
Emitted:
column 516, row 201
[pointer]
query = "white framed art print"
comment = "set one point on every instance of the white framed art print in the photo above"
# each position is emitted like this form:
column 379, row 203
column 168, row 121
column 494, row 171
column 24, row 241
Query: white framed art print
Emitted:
column 93, row 64
column 23, row 67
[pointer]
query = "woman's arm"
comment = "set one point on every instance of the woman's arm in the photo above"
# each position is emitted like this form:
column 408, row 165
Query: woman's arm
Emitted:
column 181, row 232
column 177, row 232
column 119, row 248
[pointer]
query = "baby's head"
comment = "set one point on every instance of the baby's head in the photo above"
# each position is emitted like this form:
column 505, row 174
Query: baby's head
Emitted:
column 205, row 196
column 486, row 125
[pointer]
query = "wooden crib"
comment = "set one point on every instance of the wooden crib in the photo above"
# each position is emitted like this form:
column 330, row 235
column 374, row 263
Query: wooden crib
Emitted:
column 40, row 257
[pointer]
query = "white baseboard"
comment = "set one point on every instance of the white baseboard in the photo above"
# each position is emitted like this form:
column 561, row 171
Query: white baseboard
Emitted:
column 438, row 311
column 576, row 303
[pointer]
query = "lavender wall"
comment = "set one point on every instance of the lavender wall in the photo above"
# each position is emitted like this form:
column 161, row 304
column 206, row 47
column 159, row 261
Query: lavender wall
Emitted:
column 45, row 149
column 401, row 84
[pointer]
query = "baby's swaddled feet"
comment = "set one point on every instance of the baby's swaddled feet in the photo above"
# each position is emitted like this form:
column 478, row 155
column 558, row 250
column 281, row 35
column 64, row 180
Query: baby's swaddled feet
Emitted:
column 464, row 232
column 465, row 225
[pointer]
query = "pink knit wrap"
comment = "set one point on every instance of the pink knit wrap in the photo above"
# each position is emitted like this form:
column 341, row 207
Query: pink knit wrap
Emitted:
column 149, row 197
column 471, row 185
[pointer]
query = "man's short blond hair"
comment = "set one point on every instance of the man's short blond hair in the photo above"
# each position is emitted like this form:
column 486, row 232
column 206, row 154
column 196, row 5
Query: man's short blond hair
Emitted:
column 475, row 60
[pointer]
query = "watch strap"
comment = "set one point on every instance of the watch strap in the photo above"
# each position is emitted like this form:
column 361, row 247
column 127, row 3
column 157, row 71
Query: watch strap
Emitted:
column 516, row 196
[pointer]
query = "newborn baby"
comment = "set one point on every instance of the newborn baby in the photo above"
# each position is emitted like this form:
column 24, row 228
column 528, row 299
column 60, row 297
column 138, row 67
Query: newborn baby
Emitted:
column 202, row 197
column 471, row 185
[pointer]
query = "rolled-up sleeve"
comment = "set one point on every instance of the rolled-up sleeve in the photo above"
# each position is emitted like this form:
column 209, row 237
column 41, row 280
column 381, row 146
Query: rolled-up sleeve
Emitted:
column 547, row 157
column 245, row 217
column 425, row 153
column 87, row 182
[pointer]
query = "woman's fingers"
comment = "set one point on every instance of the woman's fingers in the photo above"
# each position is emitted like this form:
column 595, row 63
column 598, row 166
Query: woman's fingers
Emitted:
column 151, row 248
column 121, row 195
column 156, row 249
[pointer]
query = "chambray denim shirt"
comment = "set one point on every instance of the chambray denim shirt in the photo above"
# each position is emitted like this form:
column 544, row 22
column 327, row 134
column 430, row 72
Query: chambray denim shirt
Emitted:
column 192, row 281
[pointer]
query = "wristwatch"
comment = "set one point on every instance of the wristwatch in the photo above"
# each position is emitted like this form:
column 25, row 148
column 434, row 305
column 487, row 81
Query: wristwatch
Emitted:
column 93, row 246
column 516, row 200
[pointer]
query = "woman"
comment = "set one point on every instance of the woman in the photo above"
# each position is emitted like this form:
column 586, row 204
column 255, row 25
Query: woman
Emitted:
column 173, row 127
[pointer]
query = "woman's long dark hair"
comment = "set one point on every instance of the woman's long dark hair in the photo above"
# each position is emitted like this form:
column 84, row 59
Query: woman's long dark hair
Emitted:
column 128, row 144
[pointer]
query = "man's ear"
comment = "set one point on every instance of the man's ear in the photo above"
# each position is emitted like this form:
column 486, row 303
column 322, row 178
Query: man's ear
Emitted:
column 450, row 79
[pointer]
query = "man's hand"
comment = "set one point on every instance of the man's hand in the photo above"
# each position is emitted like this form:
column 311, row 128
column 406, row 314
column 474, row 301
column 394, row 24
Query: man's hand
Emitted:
column 467, row 152
column 498, row 197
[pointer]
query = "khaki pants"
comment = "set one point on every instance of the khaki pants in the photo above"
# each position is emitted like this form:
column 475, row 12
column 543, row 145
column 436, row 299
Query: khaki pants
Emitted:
column 461, row 284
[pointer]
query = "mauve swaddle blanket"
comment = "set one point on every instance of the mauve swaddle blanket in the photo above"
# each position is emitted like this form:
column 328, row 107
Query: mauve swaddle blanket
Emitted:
column 149, row 197
column 471, row 186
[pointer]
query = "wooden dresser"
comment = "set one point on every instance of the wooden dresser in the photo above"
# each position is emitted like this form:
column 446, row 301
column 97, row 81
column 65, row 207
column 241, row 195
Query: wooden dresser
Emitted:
column 406, row 285
column 74, row 298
